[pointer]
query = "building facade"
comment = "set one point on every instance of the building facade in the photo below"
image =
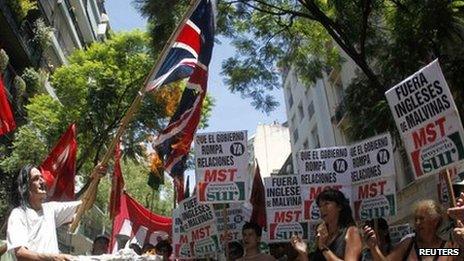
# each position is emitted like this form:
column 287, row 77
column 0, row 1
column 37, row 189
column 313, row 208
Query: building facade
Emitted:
column 42, row 37
column 317, row 117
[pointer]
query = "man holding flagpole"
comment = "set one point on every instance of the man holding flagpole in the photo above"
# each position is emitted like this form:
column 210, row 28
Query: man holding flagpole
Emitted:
column 31, row 232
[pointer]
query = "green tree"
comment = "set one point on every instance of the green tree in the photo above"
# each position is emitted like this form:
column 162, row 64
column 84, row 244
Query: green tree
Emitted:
column 387, row 39
column 135, row 178
column 94, row 90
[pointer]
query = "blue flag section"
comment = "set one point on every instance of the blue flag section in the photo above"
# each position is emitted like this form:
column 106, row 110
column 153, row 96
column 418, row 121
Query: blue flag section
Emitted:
column 173, row 143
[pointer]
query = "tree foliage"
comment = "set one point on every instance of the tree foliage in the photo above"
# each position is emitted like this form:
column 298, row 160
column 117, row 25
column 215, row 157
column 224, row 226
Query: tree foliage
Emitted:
column 95, row 90
column 387, row 39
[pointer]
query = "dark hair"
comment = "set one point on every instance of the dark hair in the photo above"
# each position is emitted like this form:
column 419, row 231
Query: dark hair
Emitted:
column 163, row 247
column 251, row 225
column 235, row 249
column 20, row 187
column 345, row 218
column 102, row 238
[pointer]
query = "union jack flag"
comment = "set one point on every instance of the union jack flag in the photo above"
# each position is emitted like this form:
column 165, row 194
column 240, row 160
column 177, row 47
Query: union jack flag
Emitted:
column 191, row 48
column 191, row 56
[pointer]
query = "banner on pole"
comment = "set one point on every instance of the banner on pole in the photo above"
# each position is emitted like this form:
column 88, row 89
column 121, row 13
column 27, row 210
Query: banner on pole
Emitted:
column 428, row 121
column 221, row 161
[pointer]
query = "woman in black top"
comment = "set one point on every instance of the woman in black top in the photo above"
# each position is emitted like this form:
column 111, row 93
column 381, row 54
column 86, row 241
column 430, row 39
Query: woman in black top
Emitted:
column 337, row 236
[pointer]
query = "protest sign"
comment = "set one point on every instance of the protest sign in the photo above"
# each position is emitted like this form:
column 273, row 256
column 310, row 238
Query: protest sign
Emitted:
column 428, row 121
column 221, row 161
column 398, row 232
column 237, row 216
column 373, row 176
column 320, row 169
column 374, row 198
column 283, row 208
column 372, row 158
column 197, row 226
column 457, row 176
column 180, row 239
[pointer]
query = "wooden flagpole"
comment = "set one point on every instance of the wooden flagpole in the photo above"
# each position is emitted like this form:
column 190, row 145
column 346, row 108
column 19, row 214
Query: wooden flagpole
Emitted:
column 449, row 186
column 89, row 195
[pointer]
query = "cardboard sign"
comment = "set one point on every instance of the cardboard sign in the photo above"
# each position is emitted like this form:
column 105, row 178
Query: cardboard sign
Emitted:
column 283, row 208
column 364, row 172
column 195, row 233
column 372, row 158
column 398, row 232
column 374, row 199
column 221, row 160
column 428, row 121
column 237, row 216
column 180, row 239
column 320, row 169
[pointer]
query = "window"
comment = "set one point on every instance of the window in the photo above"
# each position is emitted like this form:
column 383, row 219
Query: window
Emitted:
column 290, row 98
column 294, row 121
column 315, row 136
column 306, row 145
column 295, row 135
column 300, row 111
column 310, row 110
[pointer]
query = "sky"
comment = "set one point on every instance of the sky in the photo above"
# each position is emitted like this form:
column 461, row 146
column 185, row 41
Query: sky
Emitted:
column 230, row 112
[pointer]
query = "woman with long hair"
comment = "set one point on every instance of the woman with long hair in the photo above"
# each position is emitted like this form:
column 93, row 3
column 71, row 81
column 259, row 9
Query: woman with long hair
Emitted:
column 337, row 236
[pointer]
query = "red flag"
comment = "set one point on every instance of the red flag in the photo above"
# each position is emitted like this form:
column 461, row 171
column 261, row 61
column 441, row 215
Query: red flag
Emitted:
column 117, row 182
column 139, row 224
column 179, row 187
column 7, row 122
column 59, row 168
column 257, row 199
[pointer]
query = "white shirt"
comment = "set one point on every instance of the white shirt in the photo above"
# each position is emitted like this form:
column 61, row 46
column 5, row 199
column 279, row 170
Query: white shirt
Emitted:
column 36, row 230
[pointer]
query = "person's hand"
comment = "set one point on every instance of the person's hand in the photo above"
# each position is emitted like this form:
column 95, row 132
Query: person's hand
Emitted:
column 299, row 245
column 322, row 236
column 369, row 235
column 458, row 234
column 458, row 211
column 99, row 171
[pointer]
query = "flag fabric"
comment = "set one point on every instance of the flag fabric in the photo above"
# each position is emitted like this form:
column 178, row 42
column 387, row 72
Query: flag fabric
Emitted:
column 186, row 51
column 173, row 143
column 138, row 224
column 117, row 183
column 257, row 199
column 59, row 168
column 7, row 122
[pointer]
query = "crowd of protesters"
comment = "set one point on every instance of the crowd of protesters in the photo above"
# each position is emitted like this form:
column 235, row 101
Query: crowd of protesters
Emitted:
column 31, row 231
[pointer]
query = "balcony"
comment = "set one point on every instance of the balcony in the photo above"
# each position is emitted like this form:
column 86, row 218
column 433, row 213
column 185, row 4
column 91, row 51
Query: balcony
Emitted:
column 17, row 38
column 339, row 117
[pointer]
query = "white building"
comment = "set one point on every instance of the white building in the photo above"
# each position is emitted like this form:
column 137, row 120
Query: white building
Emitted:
column 317, row 118
column 76, row 24
column 270, row 146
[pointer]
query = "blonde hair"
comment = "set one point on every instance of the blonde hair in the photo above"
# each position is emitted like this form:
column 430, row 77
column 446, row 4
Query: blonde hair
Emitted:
column 433, row 208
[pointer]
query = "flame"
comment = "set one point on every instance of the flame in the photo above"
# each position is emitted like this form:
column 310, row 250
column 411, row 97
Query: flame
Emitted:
column 156, row 164
column 168, row 98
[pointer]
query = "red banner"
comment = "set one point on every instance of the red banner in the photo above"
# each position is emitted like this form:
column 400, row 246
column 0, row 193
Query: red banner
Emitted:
column 7, row 122
column 59, row 168
column 138, row 224
column 117, row 184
